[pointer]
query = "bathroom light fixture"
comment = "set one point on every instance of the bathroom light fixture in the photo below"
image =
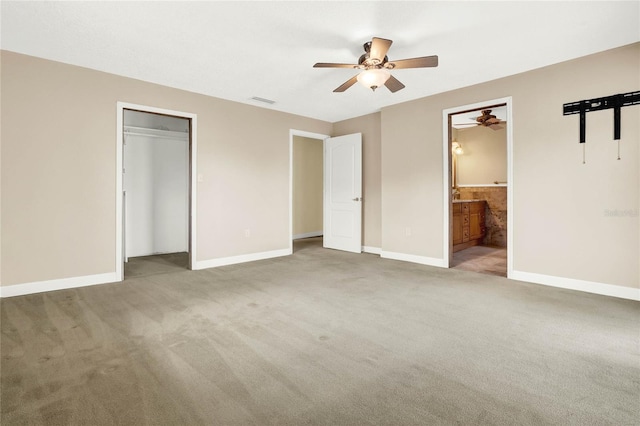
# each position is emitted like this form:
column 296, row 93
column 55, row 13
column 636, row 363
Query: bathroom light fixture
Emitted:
column 374, row 77
column 456, row 148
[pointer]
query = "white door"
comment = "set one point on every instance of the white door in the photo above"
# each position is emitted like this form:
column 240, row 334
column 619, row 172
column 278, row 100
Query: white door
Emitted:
column 343, row 193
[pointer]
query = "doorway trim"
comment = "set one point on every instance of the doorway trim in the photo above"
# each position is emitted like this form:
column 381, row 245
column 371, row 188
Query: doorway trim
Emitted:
column 446, row 161
column 193, row 136
column 304, row 134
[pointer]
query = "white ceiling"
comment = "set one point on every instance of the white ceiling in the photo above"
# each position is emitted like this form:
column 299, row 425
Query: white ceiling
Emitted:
column 238, row 50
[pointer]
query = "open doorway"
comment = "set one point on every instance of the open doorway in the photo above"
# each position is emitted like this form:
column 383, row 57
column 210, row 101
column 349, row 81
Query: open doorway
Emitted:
column 156, row 188
column 478, row 197
column 155, row 209
column 342, row 217
column 341, row 191
column 307, row 190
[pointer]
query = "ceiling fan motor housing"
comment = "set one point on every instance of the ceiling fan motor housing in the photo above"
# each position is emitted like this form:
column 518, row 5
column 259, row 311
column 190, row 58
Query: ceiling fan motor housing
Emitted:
column 366, row 62
column 486, row 116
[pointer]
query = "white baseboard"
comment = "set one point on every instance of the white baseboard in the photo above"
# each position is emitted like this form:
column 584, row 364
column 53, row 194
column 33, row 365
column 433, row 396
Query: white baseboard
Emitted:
column 549, row 280
column 372, row 250
column 59, row 284
column 423, row 260
column 232, row 260
column 580, row 285
column 308, row 235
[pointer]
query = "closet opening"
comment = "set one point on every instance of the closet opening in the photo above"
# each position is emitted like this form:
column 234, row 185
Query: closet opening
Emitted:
column 478, row 187
column 157, row 192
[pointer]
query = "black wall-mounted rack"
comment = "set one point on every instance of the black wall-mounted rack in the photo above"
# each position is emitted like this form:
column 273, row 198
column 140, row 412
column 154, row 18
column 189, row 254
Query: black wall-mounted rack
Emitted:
column 615, row 101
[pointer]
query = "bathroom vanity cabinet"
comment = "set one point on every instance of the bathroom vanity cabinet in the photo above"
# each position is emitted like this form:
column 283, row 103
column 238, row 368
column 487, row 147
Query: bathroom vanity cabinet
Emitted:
column 468, row 223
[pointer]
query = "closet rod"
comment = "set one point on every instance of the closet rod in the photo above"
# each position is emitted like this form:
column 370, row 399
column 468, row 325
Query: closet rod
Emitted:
column 156, row 133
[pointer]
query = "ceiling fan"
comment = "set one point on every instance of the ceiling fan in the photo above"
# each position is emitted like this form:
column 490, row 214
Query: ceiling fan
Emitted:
column 486, row 120
column 376, row 65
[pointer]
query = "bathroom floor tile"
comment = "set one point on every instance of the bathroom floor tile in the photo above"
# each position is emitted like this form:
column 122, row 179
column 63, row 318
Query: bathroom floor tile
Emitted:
column 483, row 259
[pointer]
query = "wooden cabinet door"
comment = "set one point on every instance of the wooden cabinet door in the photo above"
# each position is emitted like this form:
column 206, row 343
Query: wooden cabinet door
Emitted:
column 476, row 221
column 457, row 225
column 475, row 230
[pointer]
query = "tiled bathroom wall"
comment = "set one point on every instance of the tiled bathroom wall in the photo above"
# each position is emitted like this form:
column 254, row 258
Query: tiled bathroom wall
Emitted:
column 496, row 211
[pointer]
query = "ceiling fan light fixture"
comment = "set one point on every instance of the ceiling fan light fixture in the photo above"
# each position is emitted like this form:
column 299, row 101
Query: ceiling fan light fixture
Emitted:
column 375, row 64
column 374, row 78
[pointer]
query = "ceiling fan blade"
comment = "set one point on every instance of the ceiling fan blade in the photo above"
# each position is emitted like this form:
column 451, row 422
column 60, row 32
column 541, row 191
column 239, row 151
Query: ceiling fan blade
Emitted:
column 330, row 65
column 379, row 48
column 422, row 62
column 495, row 127
column 393, row 84
column 492, row 121
column 347, row 84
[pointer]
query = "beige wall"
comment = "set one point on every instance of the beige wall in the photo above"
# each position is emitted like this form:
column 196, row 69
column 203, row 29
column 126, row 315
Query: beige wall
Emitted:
column 570, row 220
column 369, row 126
column 485, row 155
column 563, row 225
column 307, row 185
column 59, row 169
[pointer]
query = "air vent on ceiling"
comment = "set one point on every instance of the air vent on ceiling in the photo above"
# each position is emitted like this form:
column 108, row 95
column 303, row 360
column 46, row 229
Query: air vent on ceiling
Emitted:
column 266, row 101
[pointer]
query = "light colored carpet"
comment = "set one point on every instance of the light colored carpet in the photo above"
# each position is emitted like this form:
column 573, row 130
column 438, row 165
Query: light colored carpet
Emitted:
column 322, row 338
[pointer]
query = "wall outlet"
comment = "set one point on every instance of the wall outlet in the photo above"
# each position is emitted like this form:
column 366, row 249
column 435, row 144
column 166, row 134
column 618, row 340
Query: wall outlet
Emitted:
column 407, row 232
column 247, row 233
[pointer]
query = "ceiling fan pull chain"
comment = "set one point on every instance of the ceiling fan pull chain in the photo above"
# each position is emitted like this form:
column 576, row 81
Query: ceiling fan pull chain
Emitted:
column 584, row 161
column 618, row 149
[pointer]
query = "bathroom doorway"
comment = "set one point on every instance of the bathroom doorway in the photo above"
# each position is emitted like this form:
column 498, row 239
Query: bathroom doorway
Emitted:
column 477, row 204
